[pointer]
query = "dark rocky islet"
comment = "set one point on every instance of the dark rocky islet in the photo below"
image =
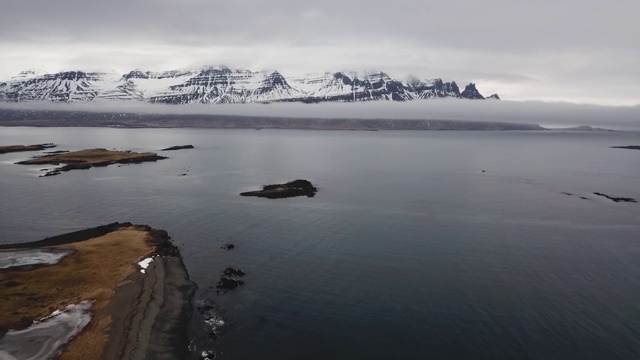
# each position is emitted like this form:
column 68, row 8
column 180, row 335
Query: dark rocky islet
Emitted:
column 233, row 272
column 291, row 189
column 178, row 147
column 616, row 199
column 227, row 246
column 631, row 147
column 19, row 148
column 226, row 283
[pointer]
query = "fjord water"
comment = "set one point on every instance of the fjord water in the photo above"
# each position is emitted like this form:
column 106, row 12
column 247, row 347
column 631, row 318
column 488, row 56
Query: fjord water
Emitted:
column 409, row 250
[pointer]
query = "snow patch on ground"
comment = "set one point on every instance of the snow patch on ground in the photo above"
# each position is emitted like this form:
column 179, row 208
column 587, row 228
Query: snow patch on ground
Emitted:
column 144, row 264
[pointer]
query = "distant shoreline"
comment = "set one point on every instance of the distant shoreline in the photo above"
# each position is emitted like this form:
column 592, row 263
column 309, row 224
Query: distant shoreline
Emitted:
column 45, row 118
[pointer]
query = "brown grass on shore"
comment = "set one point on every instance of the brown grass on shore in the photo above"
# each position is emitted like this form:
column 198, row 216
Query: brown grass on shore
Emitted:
column 93, row 272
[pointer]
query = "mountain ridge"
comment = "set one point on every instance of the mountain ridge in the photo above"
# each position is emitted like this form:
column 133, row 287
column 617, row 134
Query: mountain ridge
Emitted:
column 222, row 85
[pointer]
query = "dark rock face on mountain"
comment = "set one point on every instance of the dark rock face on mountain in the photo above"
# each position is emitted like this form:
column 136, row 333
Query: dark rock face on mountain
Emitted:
column 470, row 92
column 434, row 88
column 219, row 85
column 68, row 86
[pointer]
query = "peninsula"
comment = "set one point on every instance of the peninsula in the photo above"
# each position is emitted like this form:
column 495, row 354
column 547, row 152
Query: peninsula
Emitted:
column 113, row 292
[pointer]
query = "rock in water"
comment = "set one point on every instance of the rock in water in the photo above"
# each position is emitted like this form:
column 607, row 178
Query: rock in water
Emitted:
column 291, row 189
column 178, row 147
column 228, row 283
column 233, row 272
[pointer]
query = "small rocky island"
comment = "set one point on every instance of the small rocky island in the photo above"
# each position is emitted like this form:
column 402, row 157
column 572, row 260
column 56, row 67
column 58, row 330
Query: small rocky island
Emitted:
column 86, row 159
column 178, row 147
column 631, row 147
column 615, row 198
column 291, row 189
column 19, row 148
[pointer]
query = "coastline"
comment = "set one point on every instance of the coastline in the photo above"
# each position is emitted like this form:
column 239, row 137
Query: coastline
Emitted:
column 147, row 314
column 155, row 326
column 67, row 118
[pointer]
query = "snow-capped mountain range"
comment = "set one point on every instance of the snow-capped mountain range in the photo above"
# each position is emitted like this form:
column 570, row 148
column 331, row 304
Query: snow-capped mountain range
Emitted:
column 219, row 85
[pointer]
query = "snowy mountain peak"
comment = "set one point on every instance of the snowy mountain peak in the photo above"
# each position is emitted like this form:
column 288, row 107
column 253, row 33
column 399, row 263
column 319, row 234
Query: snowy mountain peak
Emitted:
column 28, row 74
column 220, row 84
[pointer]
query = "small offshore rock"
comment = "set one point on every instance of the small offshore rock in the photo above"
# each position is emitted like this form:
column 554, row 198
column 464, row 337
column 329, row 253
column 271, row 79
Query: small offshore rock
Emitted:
column 615, row 199
column 294, row 188
column 178, row 147
column 233, row 272
column 228, row 283
column 631, row 147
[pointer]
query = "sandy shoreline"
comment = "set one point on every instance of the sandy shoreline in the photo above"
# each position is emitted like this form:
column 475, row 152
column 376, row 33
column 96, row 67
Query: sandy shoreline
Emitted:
column 147, row 314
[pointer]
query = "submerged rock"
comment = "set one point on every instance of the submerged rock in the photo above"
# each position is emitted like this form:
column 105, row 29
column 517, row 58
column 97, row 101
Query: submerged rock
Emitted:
column 227, row 247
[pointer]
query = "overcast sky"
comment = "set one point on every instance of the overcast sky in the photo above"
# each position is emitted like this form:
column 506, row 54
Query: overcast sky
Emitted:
column 584, row 51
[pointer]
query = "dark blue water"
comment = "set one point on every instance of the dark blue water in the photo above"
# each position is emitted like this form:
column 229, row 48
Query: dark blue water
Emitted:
column 409, row 250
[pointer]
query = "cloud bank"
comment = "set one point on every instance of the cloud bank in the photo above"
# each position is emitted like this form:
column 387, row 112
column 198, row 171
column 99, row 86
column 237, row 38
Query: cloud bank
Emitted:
column 546, row 114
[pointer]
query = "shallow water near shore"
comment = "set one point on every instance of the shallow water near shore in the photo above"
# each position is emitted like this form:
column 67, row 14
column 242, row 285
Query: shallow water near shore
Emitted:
column 408, row 250
column 46, row 338
column 28, row 258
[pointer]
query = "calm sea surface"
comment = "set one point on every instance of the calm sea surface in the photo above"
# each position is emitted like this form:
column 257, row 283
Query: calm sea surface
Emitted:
column 409, row 250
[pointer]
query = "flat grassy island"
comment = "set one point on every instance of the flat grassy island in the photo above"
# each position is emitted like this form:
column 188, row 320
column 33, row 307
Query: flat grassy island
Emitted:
column 102, row 269
column 19, row 148
column 85, row 159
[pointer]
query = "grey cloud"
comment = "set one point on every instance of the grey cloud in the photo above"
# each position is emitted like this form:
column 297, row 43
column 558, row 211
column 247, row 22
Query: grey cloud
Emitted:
column 502, row 25
column 544, row 49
